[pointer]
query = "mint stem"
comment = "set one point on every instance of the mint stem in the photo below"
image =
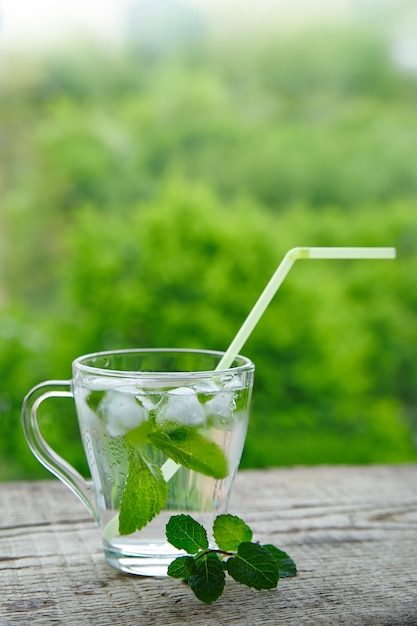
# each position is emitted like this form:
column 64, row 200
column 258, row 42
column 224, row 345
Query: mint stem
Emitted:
column 224, row 553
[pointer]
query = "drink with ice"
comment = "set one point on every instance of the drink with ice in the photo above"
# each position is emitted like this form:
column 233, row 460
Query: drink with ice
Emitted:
column 159, row 443
column 163, row 431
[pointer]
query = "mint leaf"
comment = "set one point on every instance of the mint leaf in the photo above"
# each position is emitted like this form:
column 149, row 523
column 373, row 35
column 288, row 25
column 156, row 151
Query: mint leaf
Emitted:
column 182, row 567
column 94, row 398
column 184, row 533
column 208, row 580
column 144, row 495
column 229, row 531
column 189, row 448
column 286, row 566
column 139, row 435
column 241, row 399
column 253, row 566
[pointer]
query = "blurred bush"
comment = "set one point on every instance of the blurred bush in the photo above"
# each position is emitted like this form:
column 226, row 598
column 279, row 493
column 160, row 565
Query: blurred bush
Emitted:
column 146, row 201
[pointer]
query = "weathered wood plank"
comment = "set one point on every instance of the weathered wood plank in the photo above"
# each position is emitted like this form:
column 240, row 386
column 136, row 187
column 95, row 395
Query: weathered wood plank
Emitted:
column 351, row 530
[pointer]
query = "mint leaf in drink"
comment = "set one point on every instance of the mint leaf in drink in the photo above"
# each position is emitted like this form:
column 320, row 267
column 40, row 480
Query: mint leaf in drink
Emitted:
column 286, row 566
column 93, row 399
column 187, row 447
column 182, row 567
column 253, row 566
column 184, row 533
column 144, row 495
column 230, row 531
column 139, row 435
column 208, row 579
column 241, row 399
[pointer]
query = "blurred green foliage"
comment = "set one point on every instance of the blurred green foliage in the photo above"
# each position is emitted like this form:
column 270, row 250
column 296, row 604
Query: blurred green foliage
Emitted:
column 146, row 201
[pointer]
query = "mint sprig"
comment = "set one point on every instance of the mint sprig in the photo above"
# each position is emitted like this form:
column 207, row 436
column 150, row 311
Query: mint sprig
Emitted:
column 251, row 564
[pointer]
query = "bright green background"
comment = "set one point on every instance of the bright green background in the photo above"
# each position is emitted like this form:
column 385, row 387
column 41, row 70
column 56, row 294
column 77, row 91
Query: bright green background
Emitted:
column 147, row 199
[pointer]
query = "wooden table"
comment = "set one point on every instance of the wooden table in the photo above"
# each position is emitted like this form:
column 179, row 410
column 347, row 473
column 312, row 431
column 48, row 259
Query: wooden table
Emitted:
column 351, row 530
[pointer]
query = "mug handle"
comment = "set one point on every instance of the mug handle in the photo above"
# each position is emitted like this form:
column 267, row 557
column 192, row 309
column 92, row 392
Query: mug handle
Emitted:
column 41, row 449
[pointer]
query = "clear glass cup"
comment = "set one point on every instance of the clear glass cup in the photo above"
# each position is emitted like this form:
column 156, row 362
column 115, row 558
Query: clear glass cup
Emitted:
column 163, row 432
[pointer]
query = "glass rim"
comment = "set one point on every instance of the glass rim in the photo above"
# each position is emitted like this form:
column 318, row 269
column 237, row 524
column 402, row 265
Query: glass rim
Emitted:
column 245, row 365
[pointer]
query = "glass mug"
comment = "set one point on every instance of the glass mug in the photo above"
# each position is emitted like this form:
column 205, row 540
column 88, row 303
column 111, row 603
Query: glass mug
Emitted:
column 163, row 432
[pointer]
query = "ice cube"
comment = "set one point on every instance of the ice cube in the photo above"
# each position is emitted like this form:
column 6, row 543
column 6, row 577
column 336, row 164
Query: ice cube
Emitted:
column 147, row 401
column 88, row 418
column 121, row 413
column 182, row 407
column 222, row 404
column 232, row 382
column 206, row 386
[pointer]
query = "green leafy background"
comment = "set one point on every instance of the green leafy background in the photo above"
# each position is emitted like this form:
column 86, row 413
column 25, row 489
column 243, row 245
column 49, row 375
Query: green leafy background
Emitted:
column 147, row 198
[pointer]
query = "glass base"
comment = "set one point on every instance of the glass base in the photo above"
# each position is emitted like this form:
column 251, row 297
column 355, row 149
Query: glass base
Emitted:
column 144, row 559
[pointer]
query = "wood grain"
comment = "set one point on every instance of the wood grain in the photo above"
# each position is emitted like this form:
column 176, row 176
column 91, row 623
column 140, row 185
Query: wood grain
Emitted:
column 351, row 530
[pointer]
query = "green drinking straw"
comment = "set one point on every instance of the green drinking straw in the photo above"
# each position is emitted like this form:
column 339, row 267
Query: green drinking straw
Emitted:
column 170, row 467
column 282, row 270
